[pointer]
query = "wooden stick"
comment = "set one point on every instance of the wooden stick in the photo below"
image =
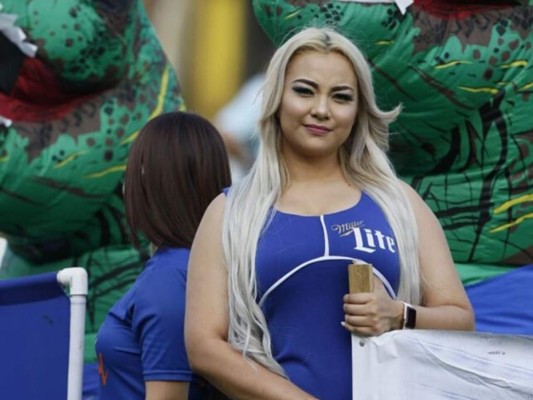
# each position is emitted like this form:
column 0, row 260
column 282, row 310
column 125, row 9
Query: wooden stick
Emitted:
column 360, row 277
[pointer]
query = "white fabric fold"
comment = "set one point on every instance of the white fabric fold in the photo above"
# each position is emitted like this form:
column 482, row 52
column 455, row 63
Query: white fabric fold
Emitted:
column 15, row 34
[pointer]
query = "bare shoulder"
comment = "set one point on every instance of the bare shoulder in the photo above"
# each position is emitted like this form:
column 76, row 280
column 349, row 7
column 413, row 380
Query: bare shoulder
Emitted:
column 210, row 227
column 212, row 219
column 215, row 210
column 427, row 221
column 417, row 202
column 411, row 193
column 429, row 226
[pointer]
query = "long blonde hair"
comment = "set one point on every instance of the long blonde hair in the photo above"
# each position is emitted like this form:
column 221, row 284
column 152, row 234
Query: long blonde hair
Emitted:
column 363, row 161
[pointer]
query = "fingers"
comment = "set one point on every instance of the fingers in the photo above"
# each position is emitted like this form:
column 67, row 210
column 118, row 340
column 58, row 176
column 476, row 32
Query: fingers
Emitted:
column 363, row 330
column 358, row 298
column 369, row 314
column 368, row 309
column 364, row 319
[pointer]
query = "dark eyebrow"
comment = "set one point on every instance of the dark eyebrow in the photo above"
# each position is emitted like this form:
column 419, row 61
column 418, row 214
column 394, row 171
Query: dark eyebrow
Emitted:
column 307, row 82
column 315, row 86
column 342, row 87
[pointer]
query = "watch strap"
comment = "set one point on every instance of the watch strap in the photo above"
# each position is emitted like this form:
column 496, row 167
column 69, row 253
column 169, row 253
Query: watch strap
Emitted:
column 409, row 316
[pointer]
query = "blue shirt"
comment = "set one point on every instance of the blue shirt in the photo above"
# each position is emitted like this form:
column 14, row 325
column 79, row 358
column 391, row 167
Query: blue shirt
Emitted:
column 142, row 337
column 302, row 276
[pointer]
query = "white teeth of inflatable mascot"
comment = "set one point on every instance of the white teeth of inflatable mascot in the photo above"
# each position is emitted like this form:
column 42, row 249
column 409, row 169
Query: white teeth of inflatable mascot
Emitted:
column 463, row 72
column 77, row 82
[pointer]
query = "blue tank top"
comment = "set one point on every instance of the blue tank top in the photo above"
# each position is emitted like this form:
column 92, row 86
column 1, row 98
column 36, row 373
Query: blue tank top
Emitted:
column 302, row 276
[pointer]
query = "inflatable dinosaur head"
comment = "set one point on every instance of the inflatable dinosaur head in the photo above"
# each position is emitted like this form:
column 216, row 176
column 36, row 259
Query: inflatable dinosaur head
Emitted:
column 78, row 79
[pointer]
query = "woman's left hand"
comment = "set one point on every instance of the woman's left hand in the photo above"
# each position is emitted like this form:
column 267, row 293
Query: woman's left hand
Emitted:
column 372, row 313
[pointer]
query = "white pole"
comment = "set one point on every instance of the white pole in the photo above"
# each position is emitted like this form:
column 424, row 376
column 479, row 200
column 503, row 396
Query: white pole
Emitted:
column 76, row 279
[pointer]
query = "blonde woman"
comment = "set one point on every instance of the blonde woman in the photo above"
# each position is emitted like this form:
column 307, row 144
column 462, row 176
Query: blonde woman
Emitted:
column 268, row 314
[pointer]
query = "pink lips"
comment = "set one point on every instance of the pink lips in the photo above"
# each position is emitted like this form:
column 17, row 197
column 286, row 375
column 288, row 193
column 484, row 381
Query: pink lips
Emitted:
column 317, row 129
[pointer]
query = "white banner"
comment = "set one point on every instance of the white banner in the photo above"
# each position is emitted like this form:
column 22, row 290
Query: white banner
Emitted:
column 433, row 365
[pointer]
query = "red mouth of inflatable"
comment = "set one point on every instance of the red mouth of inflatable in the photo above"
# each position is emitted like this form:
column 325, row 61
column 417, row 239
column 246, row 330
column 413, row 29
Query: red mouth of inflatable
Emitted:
column 456, row 9
column 34, row 95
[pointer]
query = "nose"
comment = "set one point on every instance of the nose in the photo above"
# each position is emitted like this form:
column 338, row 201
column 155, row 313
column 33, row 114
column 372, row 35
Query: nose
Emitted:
column 320, row 108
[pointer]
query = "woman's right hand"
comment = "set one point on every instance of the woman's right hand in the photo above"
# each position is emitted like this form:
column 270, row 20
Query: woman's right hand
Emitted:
column 372, row 313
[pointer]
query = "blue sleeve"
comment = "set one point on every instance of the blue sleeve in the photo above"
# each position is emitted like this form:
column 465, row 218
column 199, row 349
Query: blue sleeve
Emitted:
column 158, row 319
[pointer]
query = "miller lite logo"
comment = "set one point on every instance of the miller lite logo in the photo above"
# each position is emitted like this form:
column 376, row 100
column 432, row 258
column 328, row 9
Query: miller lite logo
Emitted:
column 366, row 240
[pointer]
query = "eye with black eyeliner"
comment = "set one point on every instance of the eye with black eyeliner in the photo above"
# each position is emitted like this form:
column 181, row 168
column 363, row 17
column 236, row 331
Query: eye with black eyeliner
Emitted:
column 345, row 97
column 302, row 90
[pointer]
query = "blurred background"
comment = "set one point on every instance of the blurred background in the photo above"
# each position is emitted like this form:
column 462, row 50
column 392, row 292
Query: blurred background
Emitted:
column 214, row 45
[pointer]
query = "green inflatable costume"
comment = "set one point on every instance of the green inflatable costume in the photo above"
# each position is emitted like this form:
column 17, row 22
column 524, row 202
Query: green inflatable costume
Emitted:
column 73, row 96
column 463, row 71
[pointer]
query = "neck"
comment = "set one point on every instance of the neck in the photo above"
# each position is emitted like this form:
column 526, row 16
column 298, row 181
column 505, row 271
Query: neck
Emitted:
column 306, row 171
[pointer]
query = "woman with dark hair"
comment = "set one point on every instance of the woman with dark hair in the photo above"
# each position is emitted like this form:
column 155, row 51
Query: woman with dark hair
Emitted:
column 176, row 167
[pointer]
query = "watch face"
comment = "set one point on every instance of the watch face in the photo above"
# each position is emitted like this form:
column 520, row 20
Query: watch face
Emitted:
column 410, row 317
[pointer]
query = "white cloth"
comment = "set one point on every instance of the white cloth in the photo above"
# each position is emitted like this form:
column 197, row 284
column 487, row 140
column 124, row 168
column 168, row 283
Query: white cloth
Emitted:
column 428, row 364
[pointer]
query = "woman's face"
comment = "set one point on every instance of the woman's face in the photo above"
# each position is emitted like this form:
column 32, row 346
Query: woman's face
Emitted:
column 318, row 105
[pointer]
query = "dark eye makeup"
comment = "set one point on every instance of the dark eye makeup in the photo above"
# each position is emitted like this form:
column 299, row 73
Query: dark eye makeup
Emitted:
column 343, row 96
column 302, row 90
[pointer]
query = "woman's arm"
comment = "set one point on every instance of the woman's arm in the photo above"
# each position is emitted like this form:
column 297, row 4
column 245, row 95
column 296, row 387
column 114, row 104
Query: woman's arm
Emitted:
column 162, row 390
column 206, row 322
column 445, row 304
